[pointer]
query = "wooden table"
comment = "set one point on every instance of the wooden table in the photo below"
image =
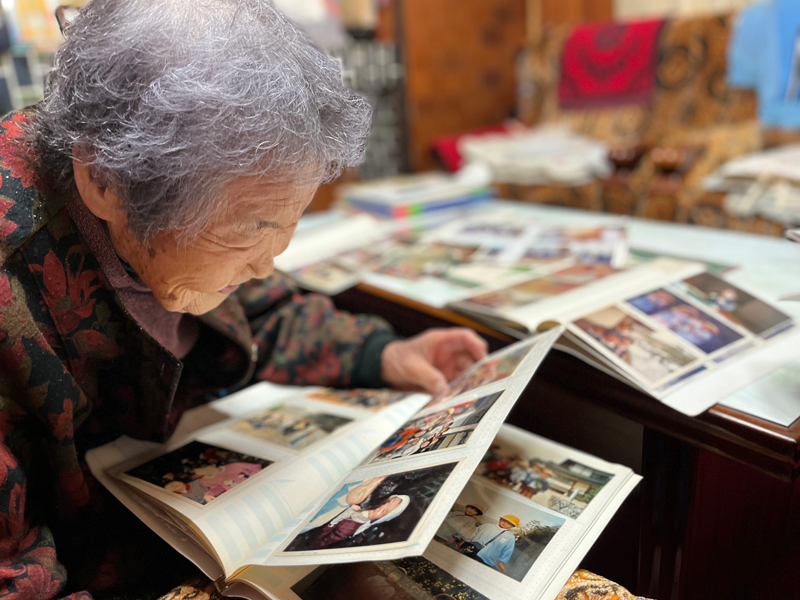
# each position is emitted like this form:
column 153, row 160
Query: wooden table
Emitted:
column 718, row 513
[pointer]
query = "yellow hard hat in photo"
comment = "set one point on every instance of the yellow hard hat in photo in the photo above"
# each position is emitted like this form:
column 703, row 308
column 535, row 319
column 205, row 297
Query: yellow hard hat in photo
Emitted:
column 511, row 519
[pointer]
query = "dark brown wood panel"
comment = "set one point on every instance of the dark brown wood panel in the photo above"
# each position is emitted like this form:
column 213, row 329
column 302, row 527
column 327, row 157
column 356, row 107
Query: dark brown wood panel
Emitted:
column 563, row 12
column 460, row 60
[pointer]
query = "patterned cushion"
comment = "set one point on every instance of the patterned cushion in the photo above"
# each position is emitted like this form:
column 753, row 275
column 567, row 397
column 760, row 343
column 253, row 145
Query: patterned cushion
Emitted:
column 583, row 585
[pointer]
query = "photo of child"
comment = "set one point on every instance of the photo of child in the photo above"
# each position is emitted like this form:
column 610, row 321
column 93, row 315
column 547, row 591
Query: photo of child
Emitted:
column 651, row 354
column 564, row 486
column 294, row 427
column 695, row 326
column 360, row 398
column 737, row 305
column 376, row 511
column 447, row 428
column 496, row 531
column 199, row 472
column 325, row 275
column 413, row 578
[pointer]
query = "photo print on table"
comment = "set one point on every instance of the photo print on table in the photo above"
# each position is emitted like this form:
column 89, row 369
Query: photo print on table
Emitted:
column 547, row 286
column 689, row 322
column 324, row 274
column 360, row 398
column 499, row 532
column 294, row 427
column 745, row 310
column 199, row 472
column 652, row 354
column 565, row 486
column 413, row 578
column 414, row 262
column 448, row 428
column 376, row 511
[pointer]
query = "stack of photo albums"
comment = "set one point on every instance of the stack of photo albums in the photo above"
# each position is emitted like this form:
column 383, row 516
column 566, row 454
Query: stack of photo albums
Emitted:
column 319, row 494
column 673, row 328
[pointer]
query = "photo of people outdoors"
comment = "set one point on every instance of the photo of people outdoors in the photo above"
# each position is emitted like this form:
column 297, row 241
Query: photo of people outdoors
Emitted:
column 737, row 305
column 564, row 486
column 494, row 367
column 413, row 578
column 650, row 353
column 294, row 427
column 199, row 472
column 360, row 398
column 447, row 428
column 376, row 511
column 497, row 531
column 695, row 326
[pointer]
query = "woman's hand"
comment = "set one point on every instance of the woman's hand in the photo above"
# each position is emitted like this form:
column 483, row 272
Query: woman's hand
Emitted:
column 430, row 360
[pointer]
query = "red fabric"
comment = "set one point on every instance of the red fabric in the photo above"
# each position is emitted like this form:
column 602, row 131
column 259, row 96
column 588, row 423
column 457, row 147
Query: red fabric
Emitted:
column 610, row 64
column 446, row 147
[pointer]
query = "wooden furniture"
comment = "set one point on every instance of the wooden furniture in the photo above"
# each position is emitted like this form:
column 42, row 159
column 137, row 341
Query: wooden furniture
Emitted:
column 718, row 513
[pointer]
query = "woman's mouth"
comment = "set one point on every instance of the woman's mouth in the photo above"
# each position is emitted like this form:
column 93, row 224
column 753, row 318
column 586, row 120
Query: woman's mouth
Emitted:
column 229, row 289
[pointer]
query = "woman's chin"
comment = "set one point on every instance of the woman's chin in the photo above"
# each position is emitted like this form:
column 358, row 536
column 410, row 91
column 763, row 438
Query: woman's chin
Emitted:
column 197, row 305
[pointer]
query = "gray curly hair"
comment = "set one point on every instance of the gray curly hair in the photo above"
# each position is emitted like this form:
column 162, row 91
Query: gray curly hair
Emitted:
column 173, row 99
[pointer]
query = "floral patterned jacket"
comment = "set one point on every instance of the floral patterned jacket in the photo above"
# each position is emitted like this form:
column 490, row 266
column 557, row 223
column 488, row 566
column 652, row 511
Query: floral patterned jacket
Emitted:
column 76, row 371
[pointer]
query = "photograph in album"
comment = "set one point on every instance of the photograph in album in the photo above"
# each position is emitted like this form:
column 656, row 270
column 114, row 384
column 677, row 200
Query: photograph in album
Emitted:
column 376, row 511
column 508, row 534
column 413, row 578
column 749, row 312
column 689, row 322
column 439, row 431
column 495, row 367
column 652, row 355
column 360, row 398
column 558, row 483
column 294, row 427
column 199, row 472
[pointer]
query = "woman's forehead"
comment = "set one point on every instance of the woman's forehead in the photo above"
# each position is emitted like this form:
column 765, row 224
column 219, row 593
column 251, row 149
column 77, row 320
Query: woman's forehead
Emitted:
column 261, row 199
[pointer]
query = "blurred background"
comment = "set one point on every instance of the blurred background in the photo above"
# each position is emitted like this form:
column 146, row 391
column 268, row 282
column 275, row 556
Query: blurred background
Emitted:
column 668, row 88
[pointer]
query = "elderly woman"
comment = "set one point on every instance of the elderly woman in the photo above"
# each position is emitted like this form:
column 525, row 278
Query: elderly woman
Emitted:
column 142, row 204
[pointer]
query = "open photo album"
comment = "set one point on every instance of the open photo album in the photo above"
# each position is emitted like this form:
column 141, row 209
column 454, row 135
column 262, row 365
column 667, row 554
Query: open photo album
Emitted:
column 674, row 328
column 668, row 327
column 287, row 493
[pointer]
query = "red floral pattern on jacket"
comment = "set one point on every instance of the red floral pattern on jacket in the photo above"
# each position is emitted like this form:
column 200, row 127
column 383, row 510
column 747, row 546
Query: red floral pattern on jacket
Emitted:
column 76, row 372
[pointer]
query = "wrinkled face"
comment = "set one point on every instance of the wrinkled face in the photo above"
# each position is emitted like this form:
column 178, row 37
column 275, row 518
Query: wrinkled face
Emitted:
column 384, row 509
column 255, row 226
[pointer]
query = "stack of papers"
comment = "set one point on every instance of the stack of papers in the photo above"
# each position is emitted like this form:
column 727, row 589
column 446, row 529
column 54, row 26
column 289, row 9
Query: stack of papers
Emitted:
column 765, row 184
column 539, row 156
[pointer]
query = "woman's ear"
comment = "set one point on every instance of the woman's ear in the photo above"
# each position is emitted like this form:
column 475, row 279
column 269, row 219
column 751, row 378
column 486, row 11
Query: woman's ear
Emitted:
column 101, row 200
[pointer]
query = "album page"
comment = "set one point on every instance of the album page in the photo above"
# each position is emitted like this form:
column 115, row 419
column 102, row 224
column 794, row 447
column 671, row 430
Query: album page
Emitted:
column 575, row 290
column 393, row 503
column 529, row 512
column 234, row 485
column 691, row 342
column 280, row 459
